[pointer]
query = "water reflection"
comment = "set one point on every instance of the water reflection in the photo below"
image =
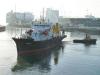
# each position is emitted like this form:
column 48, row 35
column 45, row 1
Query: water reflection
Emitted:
column 73, row 59
column 56, row 58
column 41, row 61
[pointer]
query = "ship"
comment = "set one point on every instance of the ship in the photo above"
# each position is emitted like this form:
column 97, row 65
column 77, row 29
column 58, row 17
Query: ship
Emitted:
column 42, row 36
column 2, row 28
column 87, row 40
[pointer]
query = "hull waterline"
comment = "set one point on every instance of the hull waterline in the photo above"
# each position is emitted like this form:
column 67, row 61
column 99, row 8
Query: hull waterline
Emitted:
column 29, row 46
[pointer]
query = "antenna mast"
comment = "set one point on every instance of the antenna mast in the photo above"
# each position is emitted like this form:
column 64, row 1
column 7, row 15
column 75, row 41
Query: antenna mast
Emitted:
column 43, row 14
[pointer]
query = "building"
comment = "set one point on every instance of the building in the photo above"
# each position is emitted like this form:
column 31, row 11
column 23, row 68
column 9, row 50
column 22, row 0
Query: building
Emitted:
column 52, row 15
column 64, row 22
column 17, row 18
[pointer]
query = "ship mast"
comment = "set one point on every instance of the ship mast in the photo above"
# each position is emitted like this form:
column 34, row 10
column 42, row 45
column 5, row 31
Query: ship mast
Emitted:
column 43, row 15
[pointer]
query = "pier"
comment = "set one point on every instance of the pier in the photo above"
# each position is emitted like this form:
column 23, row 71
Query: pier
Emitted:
column 83, row 29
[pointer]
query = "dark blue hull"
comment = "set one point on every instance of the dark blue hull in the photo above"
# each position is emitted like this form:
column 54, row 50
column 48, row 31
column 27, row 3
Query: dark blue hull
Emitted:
column 29, row 46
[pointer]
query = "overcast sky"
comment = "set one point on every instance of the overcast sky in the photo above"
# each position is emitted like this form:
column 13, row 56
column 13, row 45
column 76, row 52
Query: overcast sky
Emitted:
column 69, row 8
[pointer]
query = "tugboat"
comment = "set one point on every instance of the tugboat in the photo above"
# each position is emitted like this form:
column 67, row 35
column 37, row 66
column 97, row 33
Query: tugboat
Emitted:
column 42, row 36
column 87, row 40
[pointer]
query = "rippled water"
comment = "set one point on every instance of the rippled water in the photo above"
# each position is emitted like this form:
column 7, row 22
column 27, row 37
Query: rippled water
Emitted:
column 71, row 59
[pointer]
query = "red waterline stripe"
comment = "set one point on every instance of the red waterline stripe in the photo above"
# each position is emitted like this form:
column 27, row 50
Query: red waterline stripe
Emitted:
column 37, row 50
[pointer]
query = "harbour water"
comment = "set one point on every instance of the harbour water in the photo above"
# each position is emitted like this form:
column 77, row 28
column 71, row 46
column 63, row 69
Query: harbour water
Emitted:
column 71, row 59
